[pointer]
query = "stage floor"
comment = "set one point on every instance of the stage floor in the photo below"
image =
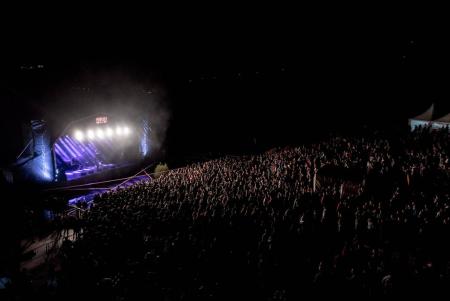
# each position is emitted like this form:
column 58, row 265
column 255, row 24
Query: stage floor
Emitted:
column 90, row 170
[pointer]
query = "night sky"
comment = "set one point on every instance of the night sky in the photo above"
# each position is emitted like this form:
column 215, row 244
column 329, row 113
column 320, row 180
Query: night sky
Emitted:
column 220, row 84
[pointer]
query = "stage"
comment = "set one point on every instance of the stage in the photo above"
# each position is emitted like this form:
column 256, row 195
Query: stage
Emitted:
column 94, row 148
column 89, row 170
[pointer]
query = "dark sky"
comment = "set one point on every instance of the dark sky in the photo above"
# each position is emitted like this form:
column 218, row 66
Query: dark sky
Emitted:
column 221, row 82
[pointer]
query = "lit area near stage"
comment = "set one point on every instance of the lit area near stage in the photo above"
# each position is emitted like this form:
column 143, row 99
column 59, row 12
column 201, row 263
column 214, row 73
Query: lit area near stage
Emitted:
column 94, row 145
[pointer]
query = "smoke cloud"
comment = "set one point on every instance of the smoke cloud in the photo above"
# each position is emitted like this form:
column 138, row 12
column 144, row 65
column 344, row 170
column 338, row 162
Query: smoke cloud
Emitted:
column 121, row 91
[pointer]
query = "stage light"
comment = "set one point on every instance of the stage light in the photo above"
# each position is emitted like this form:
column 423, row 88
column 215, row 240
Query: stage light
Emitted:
column 90, row 134
column 126, row 131
column 109, row 132
column 119, row 131
column 100, row 133
column 79, row 135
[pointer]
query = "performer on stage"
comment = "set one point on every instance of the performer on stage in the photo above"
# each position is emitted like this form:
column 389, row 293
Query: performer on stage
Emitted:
column 98, row 161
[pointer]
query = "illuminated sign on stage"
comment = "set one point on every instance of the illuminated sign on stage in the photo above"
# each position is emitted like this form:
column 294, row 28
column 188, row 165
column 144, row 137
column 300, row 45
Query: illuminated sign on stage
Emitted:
column 101, row 120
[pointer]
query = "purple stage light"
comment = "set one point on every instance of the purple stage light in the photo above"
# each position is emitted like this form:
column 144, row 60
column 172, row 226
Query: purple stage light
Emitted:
column 72, row 146
column 72, row 153
column 84, row 150
column 59, row 151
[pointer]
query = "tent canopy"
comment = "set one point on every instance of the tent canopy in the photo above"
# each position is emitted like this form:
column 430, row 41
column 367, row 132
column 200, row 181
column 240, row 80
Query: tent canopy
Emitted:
column 427, row 115
column 445, row 118
column 426, row 119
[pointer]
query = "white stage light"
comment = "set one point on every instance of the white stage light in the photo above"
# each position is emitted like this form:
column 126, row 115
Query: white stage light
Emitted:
column 79, row 135
column 126, row 131
column 100, row 133
column 90, row 134
column 109, row 132
column 119, row 131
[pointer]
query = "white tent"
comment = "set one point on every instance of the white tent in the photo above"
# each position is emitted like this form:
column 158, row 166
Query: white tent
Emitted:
column 445, row 119
column 423, row 119
column 426, row 119
column 427, row 115
column 443, row 122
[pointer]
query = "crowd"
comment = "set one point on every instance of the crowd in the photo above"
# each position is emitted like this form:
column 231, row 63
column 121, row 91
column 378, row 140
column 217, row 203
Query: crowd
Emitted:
column 274, row 226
